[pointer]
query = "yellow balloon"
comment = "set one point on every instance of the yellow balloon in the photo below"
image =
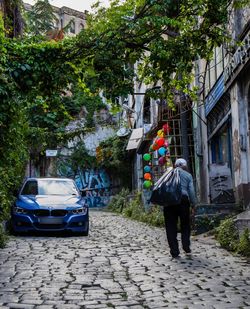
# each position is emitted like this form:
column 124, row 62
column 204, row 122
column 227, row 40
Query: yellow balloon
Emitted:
column 168, row 163
column 160, row 133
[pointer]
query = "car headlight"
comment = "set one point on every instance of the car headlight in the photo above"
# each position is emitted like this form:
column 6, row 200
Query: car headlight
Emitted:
column 80, row 211
column 19, row 210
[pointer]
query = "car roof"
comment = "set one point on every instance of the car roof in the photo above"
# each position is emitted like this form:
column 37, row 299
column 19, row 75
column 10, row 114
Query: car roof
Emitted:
column 48, row 178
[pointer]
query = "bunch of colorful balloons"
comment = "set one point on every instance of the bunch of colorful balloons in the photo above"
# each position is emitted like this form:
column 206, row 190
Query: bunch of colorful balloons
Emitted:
column 159, row 144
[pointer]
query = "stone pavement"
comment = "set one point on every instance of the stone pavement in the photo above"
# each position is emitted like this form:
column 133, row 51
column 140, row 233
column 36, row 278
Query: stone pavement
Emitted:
column 122, row 264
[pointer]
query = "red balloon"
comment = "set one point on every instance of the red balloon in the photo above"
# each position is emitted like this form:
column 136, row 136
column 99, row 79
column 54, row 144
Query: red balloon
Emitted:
column 147, row 176
column 160, row 141
column 166, row 128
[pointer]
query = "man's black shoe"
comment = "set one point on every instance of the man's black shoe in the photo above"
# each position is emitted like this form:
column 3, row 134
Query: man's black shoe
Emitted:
column 175, row 257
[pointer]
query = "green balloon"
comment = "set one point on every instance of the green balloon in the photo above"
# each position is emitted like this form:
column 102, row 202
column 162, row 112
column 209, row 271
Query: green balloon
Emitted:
column 146, row 156
column 147, row 184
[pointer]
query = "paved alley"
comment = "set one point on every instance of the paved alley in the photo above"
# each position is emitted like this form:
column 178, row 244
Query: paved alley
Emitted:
column 122, row 264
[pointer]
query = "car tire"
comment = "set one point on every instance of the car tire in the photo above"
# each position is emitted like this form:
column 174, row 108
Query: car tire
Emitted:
column 11, row 230
column 86, row 233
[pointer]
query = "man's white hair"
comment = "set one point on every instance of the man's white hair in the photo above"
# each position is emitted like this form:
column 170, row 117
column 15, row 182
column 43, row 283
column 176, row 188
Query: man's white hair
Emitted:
column 180, row 162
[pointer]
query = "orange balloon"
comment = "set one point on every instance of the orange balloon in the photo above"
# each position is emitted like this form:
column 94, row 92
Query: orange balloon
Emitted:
column 147, row 176
column 155, row 146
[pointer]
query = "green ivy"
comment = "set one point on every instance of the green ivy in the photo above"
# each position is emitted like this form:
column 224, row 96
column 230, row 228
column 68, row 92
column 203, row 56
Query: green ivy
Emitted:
column 244, row 243
column 114, row 158
column 13, row 133
column 80, row 158
column 79, row 100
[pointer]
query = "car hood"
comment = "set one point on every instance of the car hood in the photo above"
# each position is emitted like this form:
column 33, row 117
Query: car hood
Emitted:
column 44, row 201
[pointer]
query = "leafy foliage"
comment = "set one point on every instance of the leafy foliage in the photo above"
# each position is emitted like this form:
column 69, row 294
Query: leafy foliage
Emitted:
column 80, row 158
column 112, row 156
column 13, row 130
column 134, row 209
column 3, row 237
column 244, row 243
column 41, row 18
column 164, row 36
column 80, row 100
column 228, row 235
column 206, row 223
column 119, row 201
column 12, row 16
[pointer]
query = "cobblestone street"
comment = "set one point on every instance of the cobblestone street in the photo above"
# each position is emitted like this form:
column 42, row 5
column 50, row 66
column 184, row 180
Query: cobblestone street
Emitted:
column 122, row 264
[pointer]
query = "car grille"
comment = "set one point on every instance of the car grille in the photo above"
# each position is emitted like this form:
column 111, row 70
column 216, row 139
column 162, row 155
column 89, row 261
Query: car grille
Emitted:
column 59, row 212
column 49, row 226
column 41, row 212
column 53, row 212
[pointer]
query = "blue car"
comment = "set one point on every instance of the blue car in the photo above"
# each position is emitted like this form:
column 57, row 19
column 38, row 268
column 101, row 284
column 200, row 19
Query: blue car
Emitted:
column 50, row 204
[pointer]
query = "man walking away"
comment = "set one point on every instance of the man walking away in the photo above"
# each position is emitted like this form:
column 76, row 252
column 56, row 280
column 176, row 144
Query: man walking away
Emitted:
column 182, row 211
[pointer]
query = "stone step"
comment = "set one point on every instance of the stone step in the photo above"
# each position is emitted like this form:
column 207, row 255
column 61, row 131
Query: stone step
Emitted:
column 243, row 221
column 209, row 216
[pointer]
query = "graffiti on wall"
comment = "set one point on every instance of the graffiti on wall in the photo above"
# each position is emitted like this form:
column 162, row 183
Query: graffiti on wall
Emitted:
column 95, row 183
column 221, row 185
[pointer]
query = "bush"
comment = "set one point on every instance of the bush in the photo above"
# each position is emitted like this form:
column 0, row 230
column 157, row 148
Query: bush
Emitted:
column 3, row 237
column 244, row 243
column 135, row 209
column 205, row 223
column 227, row 234
column 119, row 201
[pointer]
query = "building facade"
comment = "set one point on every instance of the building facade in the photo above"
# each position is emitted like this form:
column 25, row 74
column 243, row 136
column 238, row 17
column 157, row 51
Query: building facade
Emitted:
column 223, row 126
column 213, row 134
column 66, row 15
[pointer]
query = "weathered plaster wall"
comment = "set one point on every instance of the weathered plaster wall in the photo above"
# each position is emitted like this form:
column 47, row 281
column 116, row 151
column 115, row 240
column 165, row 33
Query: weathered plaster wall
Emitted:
column 240, row 136
column 92, row 140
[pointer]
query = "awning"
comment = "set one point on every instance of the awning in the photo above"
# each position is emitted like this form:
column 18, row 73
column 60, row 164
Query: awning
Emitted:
column 135, row 139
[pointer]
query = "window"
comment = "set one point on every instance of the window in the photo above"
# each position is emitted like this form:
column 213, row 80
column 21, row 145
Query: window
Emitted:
column 30, row 188
column 57, row 187
column 146, row 110
column 175, row 137
column 72, row 27
column 221, row 146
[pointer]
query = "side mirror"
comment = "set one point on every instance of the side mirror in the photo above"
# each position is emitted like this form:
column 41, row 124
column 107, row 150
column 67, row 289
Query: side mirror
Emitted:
column 83, row 192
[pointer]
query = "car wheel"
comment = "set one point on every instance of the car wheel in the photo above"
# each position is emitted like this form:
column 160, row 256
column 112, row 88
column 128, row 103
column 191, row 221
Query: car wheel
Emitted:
column 86, row 233
column 11, row 229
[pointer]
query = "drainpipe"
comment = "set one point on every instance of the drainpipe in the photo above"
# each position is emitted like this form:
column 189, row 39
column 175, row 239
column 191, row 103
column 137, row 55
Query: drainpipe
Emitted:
column 184, row 134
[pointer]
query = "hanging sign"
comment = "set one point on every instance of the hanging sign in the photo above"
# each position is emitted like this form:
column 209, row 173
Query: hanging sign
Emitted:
column 51, row 153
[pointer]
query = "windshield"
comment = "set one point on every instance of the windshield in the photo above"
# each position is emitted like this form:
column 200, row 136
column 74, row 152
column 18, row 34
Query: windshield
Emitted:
column 49, row 187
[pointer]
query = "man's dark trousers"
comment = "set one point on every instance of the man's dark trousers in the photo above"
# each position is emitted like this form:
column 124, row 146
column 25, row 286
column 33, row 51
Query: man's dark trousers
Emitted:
column 171, row 215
